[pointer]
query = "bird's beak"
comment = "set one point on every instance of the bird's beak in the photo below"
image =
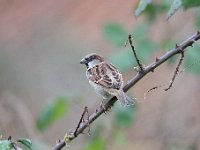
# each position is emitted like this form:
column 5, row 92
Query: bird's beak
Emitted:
column 83, row 61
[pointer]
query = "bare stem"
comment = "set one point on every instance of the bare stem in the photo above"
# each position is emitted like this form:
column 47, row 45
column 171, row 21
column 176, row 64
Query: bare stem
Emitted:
column 134, row 52
column 175, row 72
column 188, row 42
column 80, row 121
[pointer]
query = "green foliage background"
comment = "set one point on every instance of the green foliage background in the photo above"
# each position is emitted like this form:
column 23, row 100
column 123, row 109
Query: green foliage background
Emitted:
column 116, row 34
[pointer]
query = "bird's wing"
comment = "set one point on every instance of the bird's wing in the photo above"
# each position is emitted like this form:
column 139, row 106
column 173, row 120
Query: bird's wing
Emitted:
column 106, row 75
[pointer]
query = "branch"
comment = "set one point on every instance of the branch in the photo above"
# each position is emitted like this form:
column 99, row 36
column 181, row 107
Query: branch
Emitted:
column 81, row 120
column 135, row 55
column 150, row 68
column 176, row 72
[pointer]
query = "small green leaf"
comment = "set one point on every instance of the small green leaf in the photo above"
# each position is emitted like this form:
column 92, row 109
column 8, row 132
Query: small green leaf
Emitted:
column 52, row 112
column 124, row 117
column 152, row 10
column 190, row 3
column 6, row 145
column 176, row 4
column 96, row 144
column 115, row 33
column 26, row 142
column 142, row 6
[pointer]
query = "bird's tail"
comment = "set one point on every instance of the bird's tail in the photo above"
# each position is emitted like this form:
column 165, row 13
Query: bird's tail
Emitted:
column 124, row 99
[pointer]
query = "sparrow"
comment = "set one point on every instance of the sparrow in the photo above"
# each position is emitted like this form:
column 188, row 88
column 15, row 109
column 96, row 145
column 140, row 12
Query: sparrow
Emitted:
column 105, row 79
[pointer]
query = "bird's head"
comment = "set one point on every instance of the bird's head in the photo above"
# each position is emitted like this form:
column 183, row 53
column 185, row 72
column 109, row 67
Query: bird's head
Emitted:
column 91, row 60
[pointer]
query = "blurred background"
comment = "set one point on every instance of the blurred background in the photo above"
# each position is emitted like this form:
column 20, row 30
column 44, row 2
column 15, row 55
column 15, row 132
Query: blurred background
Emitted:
column 43, row 88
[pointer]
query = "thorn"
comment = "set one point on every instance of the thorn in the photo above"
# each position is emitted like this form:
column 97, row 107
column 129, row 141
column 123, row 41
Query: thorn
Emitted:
column 9, row 138
column 89, row 134
column 193, row 41
column 137, row 69
column 69, row 136
column 83, row 121
column 104, row 111
column 157, row 59
column 58, row 141
column 190, row 44
column 109, row 108
column 125, row 44
column 177, row 46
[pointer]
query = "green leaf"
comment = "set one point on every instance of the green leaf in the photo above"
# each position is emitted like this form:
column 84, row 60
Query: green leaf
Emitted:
column 151, row 12
column 115, row 33
column 6, row 145
column 124, row 117
column 190, row 3
column 96, row 144
column 26, row 142
column 176, row 4
column 155, row 9
column 142, row 6
column 52, row 112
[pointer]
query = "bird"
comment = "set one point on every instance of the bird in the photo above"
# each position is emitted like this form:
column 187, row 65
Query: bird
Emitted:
column 105, row 79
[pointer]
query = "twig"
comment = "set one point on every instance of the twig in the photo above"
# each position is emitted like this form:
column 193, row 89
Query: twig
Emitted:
column 89, row 131
column 152, row 89
column 81, row 120
column 13, row 144
column 175, row 72
column 131, row 83
column 134, row 52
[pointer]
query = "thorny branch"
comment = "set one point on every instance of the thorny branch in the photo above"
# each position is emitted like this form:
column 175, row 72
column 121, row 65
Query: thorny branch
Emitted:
column 150, row 68
column 176, row 72
column 151, row 89
column 82, row 120
column 135, row 55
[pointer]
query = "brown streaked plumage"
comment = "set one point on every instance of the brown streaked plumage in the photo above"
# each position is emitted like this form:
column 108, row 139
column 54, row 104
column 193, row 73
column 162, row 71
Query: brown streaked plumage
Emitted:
column 105, row 78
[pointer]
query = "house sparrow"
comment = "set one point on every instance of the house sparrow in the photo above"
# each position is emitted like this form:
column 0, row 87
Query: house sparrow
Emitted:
column 105, row 79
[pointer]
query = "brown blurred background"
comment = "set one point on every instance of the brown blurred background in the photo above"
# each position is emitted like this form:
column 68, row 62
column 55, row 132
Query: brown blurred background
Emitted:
column 41, row 44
